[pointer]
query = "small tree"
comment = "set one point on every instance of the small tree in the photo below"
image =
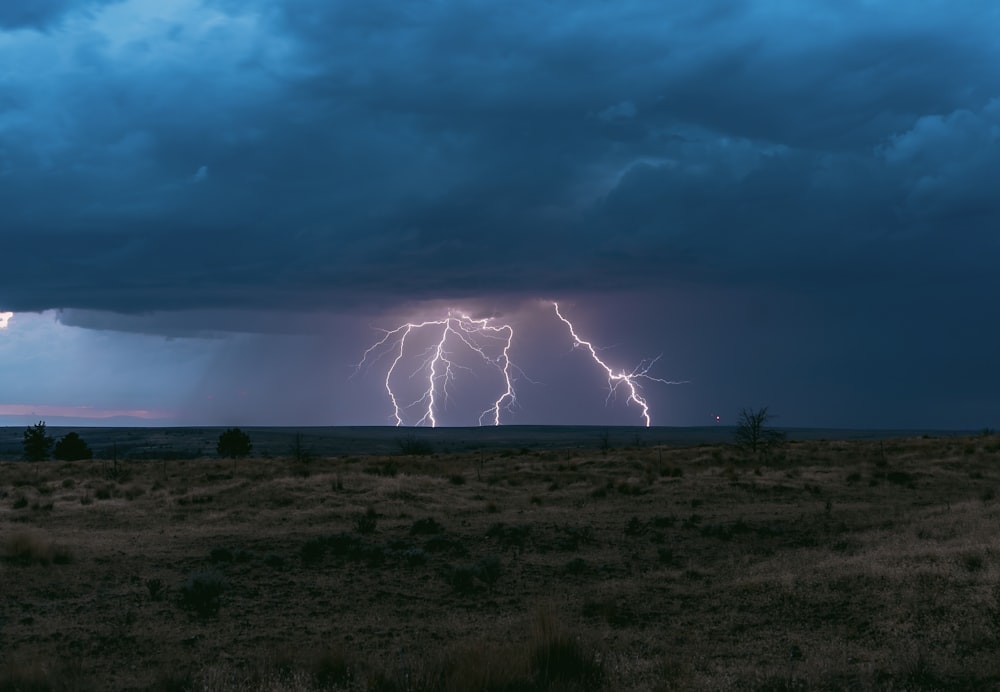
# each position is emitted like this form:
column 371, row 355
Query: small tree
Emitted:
column 300, row 452
column 36, row 442
column 752, row 433
column 234, row 443
column 72, row 447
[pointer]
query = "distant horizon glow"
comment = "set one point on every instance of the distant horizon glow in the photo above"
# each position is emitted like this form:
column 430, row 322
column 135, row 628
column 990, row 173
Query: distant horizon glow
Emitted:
column 86, row 412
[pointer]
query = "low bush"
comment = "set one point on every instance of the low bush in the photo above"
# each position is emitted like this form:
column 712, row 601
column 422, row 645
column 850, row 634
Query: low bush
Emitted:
column 426, row 527
column 202, row 593
column 415, row 446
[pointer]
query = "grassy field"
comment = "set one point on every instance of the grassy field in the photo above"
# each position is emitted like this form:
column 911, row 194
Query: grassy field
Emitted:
column 826, row 565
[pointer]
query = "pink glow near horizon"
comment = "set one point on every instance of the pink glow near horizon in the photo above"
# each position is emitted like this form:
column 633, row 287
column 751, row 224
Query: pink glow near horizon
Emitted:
column 44, row 410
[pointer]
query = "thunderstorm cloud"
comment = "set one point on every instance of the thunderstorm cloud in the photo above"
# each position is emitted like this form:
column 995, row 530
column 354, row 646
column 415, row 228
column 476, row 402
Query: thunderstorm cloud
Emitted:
column 831, row 164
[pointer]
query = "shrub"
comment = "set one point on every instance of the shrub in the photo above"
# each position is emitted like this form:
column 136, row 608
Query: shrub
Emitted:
column 202, row 593
column 234, row 444
column 425, row 527
column 415, row 446
column 71, row 447
column 221, row 555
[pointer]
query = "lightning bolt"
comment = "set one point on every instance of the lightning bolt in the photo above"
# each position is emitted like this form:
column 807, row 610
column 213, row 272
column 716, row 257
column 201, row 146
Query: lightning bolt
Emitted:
column 621, row 378
column 458, row 330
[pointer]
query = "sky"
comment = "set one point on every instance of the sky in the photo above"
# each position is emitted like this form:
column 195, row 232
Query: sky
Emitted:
column 209, row 209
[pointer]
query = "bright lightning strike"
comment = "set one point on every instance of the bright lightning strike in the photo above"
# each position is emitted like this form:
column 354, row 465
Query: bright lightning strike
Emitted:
column 482, row 338
column 622, row 377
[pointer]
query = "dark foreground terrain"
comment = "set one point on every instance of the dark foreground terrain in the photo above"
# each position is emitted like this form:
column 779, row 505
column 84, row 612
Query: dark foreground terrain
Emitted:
column 618, row 565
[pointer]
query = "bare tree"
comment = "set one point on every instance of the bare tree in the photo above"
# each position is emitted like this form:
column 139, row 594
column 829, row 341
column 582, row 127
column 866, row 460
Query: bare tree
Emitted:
column 752, row 433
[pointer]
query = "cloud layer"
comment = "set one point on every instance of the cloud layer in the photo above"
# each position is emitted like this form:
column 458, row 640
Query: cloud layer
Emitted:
column 163, row 156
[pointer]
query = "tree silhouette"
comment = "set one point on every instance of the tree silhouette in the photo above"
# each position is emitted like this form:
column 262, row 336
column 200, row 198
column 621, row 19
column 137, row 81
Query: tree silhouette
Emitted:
column 71, row 447
column 36, row 442
column 234, row 443
column 752, row 433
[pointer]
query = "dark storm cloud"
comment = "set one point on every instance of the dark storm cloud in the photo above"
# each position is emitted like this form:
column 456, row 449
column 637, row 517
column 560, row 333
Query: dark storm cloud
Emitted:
column 307, row 154
column 42, row 14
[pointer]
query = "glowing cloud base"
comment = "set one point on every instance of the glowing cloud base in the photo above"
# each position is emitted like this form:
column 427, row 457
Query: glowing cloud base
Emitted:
column 486, row 340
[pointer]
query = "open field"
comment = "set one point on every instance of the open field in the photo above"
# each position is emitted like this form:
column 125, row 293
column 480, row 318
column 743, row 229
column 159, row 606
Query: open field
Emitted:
column 859, row 564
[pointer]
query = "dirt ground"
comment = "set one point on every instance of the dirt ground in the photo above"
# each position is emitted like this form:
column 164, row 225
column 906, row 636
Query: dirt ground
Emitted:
column 860, row 564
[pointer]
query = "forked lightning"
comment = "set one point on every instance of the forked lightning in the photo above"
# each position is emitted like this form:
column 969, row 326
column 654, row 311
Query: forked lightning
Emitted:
column 616, row 379
column 492, row 343
column 479, row 336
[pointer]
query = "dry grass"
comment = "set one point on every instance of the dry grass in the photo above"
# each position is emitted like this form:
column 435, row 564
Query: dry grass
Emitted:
column 828, row 565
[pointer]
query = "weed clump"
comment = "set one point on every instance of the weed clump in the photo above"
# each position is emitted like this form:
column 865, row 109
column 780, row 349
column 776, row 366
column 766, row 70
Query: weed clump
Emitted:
column 366, row 523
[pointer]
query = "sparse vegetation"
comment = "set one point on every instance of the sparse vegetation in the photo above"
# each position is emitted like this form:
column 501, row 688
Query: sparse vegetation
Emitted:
column 723, row 575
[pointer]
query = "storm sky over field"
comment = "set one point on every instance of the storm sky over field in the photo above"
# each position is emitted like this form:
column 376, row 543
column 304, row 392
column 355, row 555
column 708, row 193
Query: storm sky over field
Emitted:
column 208, row 207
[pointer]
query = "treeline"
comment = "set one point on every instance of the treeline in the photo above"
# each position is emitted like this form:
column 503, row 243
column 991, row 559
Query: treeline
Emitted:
column 38, row 445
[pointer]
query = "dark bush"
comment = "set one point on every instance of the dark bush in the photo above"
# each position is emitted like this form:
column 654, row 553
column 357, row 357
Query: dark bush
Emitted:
column 202, row 593
column 221, row 555
column 71, row 447
column 415, row 446
column 425, row 527
column 234, row 444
